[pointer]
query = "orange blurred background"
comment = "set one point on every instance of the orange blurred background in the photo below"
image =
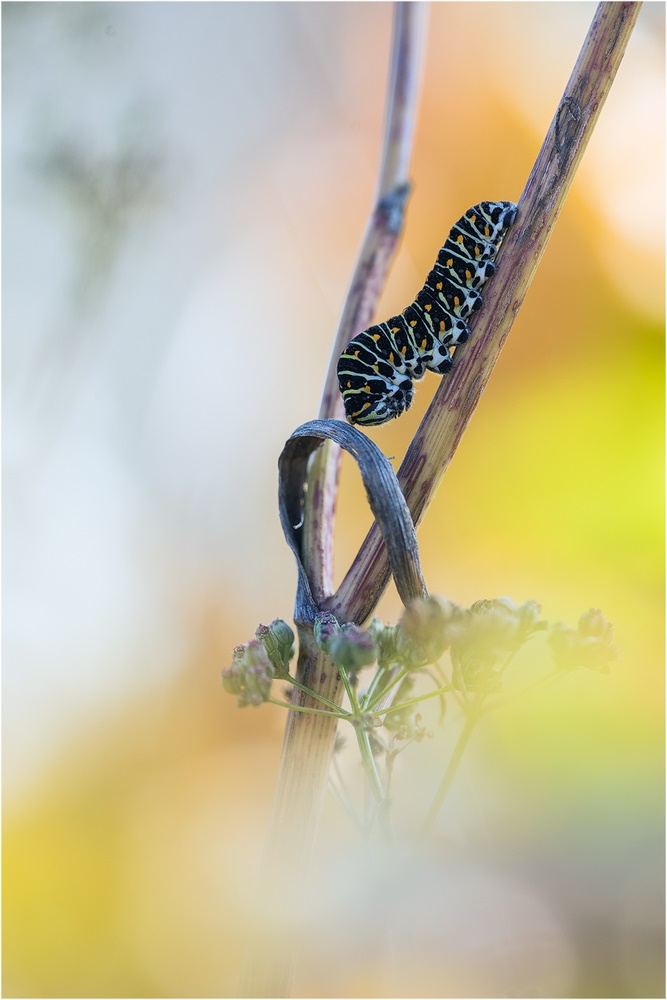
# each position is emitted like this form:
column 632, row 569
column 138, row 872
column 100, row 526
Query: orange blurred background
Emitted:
column 185, row 190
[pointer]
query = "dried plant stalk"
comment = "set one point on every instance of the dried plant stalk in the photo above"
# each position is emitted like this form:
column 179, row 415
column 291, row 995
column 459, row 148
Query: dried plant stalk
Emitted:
column 457, row 396
column 377, row 251
column 309, row 739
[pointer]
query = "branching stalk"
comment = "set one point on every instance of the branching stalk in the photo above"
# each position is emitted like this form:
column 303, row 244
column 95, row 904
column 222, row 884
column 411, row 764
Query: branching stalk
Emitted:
column 309, row 738
column 457, row 396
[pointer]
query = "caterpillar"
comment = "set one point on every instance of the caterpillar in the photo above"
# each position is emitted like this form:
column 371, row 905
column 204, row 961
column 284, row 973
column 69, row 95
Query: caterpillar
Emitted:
column 376, row 369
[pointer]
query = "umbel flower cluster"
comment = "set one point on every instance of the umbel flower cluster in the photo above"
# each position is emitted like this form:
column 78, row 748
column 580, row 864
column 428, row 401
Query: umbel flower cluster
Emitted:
column 438, row 650
column 258, row 663
column 480, row 641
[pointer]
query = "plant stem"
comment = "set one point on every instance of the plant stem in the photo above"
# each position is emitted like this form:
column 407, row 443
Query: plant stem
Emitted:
column 457, row 396
column 377, row 250
column 371, row 698
column 454, row 761
column 370, row 767
column 349, row 690
column 312, row 711
column 309, row 739
column 314, row 694
column 413, row 701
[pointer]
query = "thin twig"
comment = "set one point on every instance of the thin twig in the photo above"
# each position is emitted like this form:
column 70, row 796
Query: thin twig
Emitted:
column 377, row 251
column 412, row 701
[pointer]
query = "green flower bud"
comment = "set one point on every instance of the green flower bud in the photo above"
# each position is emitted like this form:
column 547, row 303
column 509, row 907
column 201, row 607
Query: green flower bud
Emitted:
column 594, row 624
column 352, row 648
column 325, row 628
column 348, row 645
column 278, row 641
column 232, row 679
column 250, row 675
column 428, row 627
column 258, row 675
column 590, row 645
column 494, row 630
column 385, row 638
column 529, row 619
column 475, row 668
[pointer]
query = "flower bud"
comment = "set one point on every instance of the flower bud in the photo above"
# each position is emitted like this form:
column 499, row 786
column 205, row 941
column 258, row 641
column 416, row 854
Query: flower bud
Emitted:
column 352, row 648
column 348, row 645
column 325, row 628
column 259, row 674
column 278, row 641
column 529, row 619
column 232, row 679
column 593, row 623
column 250, row 675
column 590, row 645
column 385, row 638
column 427, row 629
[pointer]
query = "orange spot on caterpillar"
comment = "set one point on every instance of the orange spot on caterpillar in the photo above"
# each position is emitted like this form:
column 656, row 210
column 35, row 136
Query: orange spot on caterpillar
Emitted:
column 428, row 307
column 439, row 286
column 413, row 322
column 376, row 336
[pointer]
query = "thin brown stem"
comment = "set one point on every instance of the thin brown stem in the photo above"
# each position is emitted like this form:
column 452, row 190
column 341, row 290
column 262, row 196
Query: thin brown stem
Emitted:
column 377, row 251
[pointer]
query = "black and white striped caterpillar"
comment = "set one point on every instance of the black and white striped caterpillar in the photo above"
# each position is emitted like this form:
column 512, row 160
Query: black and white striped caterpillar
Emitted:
column 376, row 369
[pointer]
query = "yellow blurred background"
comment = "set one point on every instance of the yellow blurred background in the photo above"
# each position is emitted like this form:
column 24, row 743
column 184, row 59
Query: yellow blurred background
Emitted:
column 185, row 190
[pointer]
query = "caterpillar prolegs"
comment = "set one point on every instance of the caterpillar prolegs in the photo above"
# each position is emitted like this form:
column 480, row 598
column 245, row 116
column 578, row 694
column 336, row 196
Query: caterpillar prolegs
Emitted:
column 376, row 369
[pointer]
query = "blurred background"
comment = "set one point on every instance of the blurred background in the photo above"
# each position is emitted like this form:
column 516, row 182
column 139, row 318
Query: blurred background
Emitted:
column 185, row 188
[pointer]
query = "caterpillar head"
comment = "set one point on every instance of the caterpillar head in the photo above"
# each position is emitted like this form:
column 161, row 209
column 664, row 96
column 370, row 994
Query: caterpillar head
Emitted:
column 377, row 408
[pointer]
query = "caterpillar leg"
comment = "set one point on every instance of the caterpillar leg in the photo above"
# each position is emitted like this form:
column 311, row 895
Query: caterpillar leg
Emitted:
column 441, row 361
